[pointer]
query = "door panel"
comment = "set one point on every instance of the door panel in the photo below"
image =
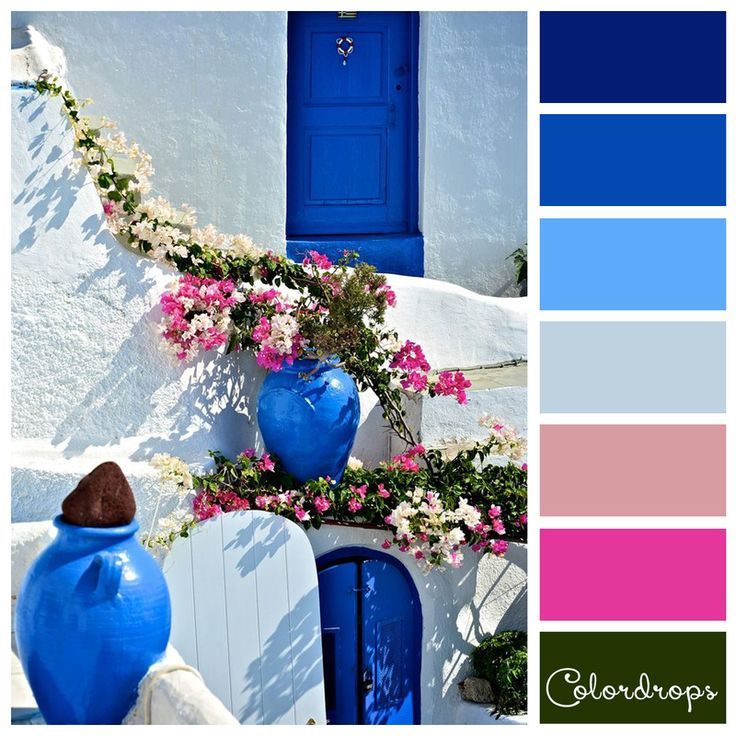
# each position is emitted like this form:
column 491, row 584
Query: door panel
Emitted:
column 371, row 639
column 339, row 614
column 350, row 156
column 388, row 639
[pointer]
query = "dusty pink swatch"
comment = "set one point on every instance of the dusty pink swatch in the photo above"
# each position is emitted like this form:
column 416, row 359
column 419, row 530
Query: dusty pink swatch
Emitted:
column 633, row 470
column 633, row 574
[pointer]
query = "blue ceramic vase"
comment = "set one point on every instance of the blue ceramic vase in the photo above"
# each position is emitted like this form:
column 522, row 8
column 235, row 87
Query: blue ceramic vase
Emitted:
column 93, row 614
column 308, row 414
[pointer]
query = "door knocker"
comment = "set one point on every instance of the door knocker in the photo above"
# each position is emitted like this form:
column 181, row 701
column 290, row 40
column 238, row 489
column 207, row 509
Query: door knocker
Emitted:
column 345, row 47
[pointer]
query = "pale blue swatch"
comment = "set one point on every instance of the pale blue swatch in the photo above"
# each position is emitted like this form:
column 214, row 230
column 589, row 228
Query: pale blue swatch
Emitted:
column 633, row 367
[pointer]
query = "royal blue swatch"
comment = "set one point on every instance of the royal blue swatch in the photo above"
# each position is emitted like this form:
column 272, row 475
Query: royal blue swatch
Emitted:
column 615, row 56
column 633, row 264
column 633, row 159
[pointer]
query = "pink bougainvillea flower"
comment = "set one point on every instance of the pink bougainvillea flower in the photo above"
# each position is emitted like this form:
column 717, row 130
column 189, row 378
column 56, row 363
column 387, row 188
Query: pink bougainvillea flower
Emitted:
column 382, row 492
column 386, row 544
column 321, row 504
column 359, row 490
column 498, row 526
column 405, row 461
column 494, row 511
column 197, row 314
column 387, row 293
column 265, row 463
column 354, row 505
column 203, row 508
column 318, row 259
column 499, row 547
column 452, row 383
column 301, row 513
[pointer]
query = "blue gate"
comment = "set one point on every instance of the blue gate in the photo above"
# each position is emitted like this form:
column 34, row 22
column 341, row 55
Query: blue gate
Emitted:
column 371, row 638
column 352, row 137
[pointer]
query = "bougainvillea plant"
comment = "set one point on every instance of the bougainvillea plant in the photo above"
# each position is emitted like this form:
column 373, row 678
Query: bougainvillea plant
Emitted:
column 235, row 295
column 434, row 515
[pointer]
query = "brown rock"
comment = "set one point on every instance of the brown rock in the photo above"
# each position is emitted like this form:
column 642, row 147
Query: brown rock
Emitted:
column 476, row 690
column 103, row 498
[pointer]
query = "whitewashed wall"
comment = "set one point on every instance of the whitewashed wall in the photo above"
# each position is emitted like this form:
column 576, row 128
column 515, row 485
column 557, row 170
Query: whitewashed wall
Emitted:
column 205, row 94
column 472, row 108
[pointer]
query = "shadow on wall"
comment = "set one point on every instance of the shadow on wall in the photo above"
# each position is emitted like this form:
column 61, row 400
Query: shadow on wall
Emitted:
column 489, row 595
column 46, row 196
column 95, row 330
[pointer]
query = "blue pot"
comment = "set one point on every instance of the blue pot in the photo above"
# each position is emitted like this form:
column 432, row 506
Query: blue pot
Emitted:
column 309, row 423
column 93, row 614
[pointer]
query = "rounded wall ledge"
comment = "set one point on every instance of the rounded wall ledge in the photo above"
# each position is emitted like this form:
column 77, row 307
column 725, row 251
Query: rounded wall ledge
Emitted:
column 31, row 54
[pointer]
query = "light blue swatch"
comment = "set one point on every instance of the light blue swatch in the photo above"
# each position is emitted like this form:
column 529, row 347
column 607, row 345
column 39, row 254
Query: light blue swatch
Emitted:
column 633, row 367
column 633, row 264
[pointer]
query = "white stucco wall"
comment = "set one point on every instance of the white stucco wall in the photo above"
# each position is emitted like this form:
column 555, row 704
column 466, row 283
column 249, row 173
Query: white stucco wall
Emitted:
column 205, row 94
column 472, row 109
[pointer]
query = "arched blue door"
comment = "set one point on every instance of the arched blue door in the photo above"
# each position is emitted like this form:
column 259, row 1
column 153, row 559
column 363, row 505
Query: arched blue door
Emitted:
column 352, row 137
column 371, row 639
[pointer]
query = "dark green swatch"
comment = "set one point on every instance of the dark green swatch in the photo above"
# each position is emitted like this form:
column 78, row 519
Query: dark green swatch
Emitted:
column 669, row 677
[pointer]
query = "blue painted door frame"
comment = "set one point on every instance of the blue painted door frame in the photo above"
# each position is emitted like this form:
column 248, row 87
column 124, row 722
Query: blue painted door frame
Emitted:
column 352, row 167
column 371, row 638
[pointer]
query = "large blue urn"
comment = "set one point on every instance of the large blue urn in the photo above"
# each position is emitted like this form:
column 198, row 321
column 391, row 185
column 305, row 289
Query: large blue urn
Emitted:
column 308, row 414
column 93, row 614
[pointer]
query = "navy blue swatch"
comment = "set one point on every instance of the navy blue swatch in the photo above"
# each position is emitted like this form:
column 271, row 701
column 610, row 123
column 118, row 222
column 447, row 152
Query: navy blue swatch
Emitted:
column 633, row 160
column 616, row 56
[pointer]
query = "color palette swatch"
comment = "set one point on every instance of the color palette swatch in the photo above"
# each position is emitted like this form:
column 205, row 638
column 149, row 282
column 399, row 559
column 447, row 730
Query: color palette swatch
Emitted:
column 633, row 57
column 633, row 366
column 628, row 363
column 633, row 159
column 633, row 677
column 633, row 575
column 634, row 470
column 628, row 264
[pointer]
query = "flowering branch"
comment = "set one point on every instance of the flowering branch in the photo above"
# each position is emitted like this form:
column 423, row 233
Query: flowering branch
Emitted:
column 235, row 294
column 432, row 516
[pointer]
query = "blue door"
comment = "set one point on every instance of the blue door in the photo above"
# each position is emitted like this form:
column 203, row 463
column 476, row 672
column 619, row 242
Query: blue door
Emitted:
column 371, row 640
column 352, row 136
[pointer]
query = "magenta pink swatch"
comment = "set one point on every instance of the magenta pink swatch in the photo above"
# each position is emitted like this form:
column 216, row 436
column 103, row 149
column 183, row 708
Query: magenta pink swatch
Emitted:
column 633, row 574
column 633, row 470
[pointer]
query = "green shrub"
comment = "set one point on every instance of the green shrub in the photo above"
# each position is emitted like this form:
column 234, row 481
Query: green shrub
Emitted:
column 502, row 660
